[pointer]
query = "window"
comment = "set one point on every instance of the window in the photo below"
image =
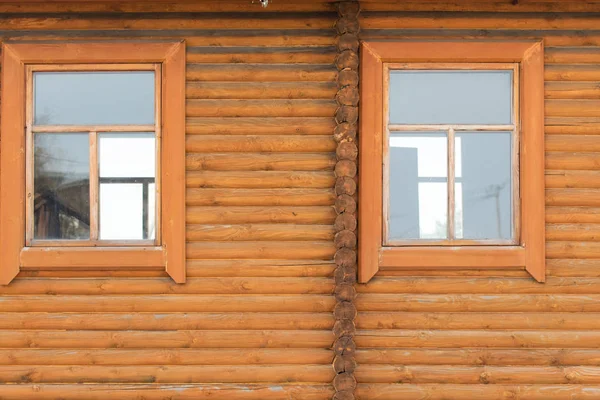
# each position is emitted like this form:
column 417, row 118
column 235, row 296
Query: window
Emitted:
column 93, row 141
column 451, row 156
column 97, row 178
column 450, row 150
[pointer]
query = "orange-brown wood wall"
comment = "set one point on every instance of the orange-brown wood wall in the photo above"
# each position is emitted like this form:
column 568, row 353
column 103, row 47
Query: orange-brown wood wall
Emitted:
column 478, row 335
column 254, row 320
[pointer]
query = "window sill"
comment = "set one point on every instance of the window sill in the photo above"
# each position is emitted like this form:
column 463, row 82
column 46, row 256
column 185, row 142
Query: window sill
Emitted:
column 92, row 257
column 464, row 257
column 452, row 257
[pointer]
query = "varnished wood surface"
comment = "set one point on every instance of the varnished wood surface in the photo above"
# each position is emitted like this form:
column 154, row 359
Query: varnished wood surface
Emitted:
column 265, row 180
column 254, row 319
column 445, row 334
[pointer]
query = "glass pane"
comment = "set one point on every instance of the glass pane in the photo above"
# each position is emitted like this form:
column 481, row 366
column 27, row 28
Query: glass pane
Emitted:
column 127, row 155
column 61, row 186
column 121, row 211
column 418, row 186
column 483, row 185
column 93, row 98
column 127, row 185
column 450, row 97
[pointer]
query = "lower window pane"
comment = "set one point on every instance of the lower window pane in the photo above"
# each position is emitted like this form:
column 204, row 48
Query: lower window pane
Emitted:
column 127, row 186
column 61, row 183
column 121, row 211
column 418, row 188
column 483, row 186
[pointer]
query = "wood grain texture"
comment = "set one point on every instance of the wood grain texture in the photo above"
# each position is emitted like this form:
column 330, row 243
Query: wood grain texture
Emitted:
column 479, row 392
column 267, row 178
column 167, row 374
column 260, row 157
column 395, row 339
column 149, row 391
column 166, row 356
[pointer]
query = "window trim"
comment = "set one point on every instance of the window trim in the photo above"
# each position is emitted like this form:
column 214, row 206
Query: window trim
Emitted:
column 529, row 254
column 170, row 255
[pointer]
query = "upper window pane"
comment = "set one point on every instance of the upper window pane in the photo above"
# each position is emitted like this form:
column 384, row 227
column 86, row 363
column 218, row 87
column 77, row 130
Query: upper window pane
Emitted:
column 94, row 98
column 450, row 97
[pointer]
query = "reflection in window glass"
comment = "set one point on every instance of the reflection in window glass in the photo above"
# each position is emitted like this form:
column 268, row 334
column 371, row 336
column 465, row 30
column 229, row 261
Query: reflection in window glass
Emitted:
column 418, row 187
column 61, row 186
column 483, row 186
column 127, row 186
column 450, row 97
column 94, row 98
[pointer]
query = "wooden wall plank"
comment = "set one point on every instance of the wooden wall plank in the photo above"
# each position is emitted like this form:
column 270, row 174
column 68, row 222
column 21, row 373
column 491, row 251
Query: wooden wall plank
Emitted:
column 478, row 302
column 260, row 126
column 475, row 392
column 216, row 339
column 473, row 375
column 260, row 143
column 276, row 391
column 167, row 356
column 476, row 338
column 263, row 90
column 320, row 215
column 168, row 322
column 260, row 179
column 163, row 374
column 475, row 321
column 153, row 286
column 168, row 303
column 259, row 197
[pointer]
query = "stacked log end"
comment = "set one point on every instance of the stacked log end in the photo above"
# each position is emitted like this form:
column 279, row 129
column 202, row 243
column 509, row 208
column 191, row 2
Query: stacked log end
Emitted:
column 345, row 135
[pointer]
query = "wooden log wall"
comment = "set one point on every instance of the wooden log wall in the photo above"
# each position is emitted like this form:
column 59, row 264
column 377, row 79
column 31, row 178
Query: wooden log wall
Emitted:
column 484, row 335
column 345, row 134
column 270, row 162
column 255, row 319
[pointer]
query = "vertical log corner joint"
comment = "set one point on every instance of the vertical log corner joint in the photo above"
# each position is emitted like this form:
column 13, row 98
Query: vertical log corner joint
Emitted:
column 345, row 135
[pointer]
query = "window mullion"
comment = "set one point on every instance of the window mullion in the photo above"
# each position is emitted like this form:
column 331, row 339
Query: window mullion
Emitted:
column 29, row 160
column 451, row 178
column 94, row 186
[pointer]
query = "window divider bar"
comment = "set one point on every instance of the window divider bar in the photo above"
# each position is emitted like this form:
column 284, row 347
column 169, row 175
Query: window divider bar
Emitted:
column 159, row 92
column 94, row 186
column 89, row 128
column 516, row 153
column 29, row 159
column 451, row 194
column 446, row 127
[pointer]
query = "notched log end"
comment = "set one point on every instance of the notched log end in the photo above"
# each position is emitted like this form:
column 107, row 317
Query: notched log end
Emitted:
column 345, row 221
column 344, row 381
column 343, row 364
column 345, row 292
column 344, row 346
column 347, row 151
column 346, row 114
column 345, row 238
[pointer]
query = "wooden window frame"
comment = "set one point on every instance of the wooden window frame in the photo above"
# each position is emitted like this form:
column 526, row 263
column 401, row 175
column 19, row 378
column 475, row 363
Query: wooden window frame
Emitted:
column 451, row 131
column 169, row 252
column 93, row 132
column 529, row 251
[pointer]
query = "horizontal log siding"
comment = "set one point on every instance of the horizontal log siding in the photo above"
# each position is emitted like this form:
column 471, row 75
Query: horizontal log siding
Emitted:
column 254, row 319
column 490, row 335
